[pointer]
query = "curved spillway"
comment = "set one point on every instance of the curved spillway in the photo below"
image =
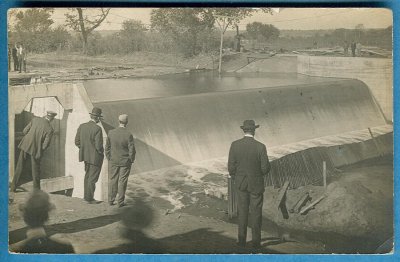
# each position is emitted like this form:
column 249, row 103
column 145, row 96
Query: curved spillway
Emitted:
column 182, row 129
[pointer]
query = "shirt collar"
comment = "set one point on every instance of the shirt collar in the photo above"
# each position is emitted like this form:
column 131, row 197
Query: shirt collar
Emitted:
column 248, row 135
column 37, row 232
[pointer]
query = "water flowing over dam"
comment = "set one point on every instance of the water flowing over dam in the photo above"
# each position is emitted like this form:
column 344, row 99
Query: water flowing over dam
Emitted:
column 191, row 128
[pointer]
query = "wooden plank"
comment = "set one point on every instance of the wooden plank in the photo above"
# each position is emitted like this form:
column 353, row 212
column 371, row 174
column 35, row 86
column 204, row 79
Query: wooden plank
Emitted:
column 282, row 193
column 312, row 205
column 300, row 203
column 57, row 184
column 375, row 142
column 232, row 201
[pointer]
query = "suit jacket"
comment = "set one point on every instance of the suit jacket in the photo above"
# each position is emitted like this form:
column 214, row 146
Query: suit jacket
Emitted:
column 89, row 139
column 37, row 137
column 120, row 147
column 248, row 158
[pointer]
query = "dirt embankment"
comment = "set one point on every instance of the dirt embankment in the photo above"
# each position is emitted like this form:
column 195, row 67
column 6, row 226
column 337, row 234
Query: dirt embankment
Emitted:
column 357, row 209
column 69, row 67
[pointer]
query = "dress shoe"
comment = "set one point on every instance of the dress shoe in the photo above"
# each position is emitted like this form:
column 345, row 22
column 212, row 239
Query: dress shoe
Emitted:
column 94, row 202
column 241, row 243
column 256, row 245
column 121, row 205
column 111, row 203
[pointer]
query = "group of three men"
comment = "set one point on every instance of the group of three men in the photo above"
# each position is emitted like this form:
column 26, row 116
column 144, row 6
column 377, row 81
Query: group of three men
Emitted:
column 248, row 164
column 119, row 150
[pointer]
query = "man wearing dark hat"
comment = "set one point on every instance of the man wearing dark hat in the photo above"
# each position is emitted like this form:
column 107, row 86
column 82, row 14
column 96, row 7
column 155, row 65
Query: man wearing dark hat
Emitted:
column 37, row 137
column 248, row 164
column 89, row 139
column 120, row 152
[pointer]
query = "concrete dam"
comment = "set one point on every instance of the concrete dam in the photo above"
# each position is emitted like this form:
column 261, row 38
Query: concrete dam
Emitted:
column 182, row 129
column 194, row 118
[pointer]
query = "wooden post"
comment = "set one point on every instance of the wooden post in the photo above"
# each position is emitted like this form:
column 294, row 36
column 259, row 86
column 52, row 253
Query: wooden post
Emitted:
column 324, row 172
column 232, row 205
column 220, row 48
column 375, row 142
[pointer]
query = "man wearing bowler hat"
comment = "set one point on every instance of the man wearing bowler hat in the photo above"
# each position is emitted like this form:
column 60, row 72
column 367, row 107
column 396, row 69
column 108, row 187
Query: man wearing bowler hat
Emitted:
column 120, row 152
column 89, row 140
column 248, row 164
column 37, row 137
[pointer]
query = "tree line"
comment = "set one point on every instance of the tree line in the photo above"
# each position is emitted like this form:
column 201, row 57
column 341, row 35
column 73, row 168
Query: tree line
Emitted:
column 186, row 31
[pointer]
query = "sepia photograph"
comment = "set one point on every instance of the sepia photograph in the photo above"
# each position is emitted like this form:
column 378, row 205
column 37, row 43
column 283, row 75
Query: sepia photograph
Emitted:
column 200, row 130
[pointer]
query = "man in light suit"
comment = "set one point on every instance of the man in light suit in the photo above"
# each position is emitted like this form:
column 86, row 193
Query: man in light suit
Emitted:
column 120, row 152
column 89, row 140
column 37, row 137
column 248, row 164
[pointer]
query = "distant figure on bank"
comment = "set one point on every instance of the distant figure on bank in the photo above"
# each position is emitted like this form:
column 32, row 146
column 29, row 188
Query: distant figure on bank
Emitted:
column 21, row 58
column 358, row 49
column 120, row 152
column 37, row 137
column 36, row 213
column 9, row 57
column 248, row 164
column 14, row 52
column 353, row 49
column 346, row 48
column 89, row 140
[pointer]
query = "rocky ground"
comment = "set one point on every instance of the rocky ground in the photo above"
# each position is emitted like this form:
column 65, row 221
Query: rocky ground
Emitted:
column 71, row 67
column 358, row 206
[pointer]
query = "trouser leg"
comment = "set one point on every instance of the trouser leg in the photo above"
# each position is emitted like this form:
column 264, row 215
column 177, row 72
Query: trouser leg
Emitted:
column 113, row 174
column 93, row 177
column 123, row 182
column 256, row 203
column 15, row 59
column 18, row 171
column 35, row 173
column 243, row 214
column 86, row 184
column 20, row 65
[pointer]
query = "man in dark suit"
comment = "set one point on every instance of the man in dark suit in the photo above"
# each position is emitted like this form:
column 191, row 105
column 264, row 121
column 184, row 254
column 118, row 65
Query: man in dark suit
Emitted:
column 37, row 137
column 120, row 152
column 89, row 139
column 248, row 164
column 14, row 52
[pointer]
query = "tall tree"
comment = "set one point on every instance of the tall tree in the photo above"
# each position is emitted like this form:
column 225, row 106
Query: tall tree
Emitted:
column 85, row 20
column 32, row 26
column 184, row 25
column 229, row 17
column 260, row 31
column 187, row 24
column 133, row 35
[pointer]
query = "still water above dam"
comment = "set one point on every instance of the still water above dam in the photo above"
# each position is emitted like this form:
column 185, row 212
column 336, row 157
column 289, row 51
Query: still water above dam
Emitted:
column 104, row 90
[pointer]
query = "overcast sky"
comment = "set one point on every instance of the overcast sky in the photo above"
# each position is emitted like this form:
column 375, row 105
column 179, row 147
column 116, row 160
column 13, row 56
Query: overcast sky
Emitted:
column 287, row 18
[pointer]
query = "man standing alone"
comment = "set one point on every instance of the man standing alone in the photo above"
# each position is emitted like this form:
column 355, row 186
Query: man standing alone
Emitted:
column 120, row 152
column 14, row 52
column 248, row 164
column 89, row 139
column 37, row 137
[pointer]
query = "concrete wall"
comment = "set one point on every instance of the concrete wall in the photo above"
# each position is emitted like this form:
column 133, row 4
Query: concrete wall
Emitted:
column 73, row 107
column 277, row 64
column 377, row 73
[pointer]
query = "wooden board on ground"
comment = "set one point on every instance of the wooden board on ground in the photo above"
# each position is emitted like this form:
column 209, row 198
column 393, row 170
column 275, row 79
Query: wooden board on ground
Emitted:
column 282, row 193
